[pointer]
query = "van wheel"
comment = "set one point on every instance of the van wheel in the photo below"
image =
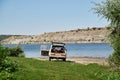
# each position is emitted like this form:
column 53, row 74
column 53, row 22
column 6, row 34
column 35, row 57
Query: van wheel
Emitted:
column 64, row 59
column 49, row 59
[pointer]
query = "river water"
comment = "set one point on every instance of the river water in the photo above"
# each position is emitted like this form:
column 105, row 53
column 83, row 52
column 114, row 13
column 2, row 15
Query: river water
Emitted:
column 102, row 50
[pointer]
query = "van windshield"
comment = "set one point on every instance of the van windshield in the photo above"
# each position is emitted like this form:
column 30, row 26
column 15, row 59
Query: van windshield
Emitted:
column 58, row 49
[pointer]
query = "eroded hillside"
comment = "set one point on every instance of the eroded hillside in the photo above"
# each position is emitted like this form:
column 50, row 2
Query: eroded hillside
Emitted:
column 94, row 35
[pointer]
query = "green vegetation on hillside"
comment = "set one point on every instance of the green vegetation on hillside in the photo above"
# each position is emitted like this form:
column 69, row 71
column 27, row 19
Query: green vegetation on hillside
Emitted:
column 2, row 37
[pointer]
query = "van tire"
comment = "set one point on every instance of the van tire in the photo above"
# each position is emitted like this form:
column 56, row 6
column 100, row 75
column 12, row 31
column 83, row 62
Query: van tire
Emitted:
column 49, row 59
column 64, row 59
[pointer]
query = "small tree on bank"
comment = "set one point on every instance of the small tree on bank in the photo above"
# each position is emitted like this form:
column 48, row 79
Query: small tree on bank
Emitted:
column 110, row 9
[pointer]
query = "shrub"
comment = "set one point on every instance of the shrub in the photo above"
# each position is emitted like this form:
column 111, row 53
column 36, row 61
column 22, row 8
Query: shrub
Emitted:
column 7, row 66
column 94, row 28
column 3, row 52
column 16, row 52
column 6, row 76
column 108, row 75
column 7, row 69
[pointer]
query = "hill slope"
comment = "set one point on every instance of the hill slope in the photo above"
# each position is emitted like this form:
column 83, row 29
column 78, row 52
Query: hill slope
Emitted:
column 94, row 35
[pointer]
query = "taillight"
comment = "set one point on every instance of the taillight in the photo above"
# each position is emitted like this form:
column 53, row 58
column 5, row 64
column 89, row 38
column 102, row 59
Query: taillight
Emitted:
column 62, row 54
column 52, row 54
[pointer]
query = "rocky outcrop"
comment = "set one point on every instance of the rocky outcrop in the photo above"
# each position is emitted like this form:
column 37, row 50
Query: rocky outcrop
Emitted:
column 94, row 35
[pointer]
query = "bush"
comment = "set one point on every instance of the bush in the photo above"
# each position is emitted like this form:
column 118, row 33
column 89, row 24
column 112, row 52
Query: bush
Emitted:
column 94, row 28
column 16, row 52
column 109, row 75
column 114, row 59
column 7, row 69
column 4, row 52
column 6, row 76
column 7, row 66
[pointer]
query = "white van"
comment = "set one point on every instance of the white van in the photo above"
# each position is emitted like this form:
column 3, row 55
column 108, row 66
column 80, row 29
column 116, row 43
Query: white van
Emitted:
column 57, row 50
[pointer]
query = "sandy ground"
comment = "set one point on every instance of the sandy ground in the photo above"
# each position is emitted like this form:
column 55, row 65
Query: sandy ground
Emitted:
column 83, row 60
column 87, row 60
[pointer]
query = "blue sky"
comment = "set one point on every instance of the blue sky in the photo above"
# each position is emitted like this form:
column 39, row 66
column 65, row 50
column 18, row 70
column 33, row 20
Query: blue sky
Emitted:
column 39, row 16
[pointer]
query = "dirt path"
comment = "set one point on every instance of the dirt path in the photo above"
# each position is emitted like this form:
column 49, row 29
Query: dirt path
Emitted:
column 83, row 60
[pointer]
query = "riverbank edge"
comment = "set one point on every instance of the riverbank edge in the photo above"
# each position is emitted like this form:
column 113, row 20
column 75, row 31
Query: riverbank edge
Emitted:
column 82, row 60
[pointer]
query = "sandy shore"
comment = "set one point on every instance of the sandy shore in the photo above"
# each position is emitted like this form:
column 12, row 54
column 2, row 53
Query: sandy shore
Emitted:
column 83, row 60
column 88, row 60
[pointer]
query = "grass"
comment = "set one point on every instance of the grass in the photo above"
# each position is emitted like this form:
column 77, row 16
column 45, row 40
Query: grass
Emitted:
column 32, row 69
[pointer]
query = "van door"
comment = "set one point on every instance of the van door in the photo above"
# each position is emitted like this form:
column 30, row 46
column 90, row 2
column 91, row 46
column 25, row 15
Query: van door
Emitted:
column 44, row 50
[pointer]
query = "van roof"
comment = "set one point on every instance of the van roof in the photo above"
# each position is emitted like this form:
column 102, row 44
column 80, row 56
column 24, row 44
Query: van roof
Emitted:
column 58, row 43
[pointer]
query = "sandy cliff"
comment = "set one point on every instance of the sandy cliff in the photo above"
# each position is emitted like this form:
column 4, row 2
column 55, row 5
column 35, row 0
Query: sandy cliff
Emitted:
column 94, row 35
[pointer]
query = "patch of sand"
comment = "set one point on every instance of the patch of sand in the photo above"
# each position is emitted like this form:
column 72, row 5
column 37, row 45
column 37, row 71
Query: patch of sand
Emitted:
column 83, row 60
column 88, row 60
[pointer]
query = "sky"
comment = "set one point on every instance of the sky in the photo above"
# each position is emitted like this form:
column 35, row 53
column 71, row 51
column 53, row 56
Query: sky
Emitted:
column 34, row 17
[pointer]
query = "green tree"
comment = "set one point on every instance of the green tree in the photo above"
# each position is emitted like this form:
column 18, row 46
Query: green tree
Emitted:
column 110, row 9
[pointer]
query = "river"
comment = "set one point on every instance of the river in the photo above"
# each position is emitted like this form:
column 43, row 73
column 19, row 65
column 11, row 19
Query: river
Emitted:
column 101, row 50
